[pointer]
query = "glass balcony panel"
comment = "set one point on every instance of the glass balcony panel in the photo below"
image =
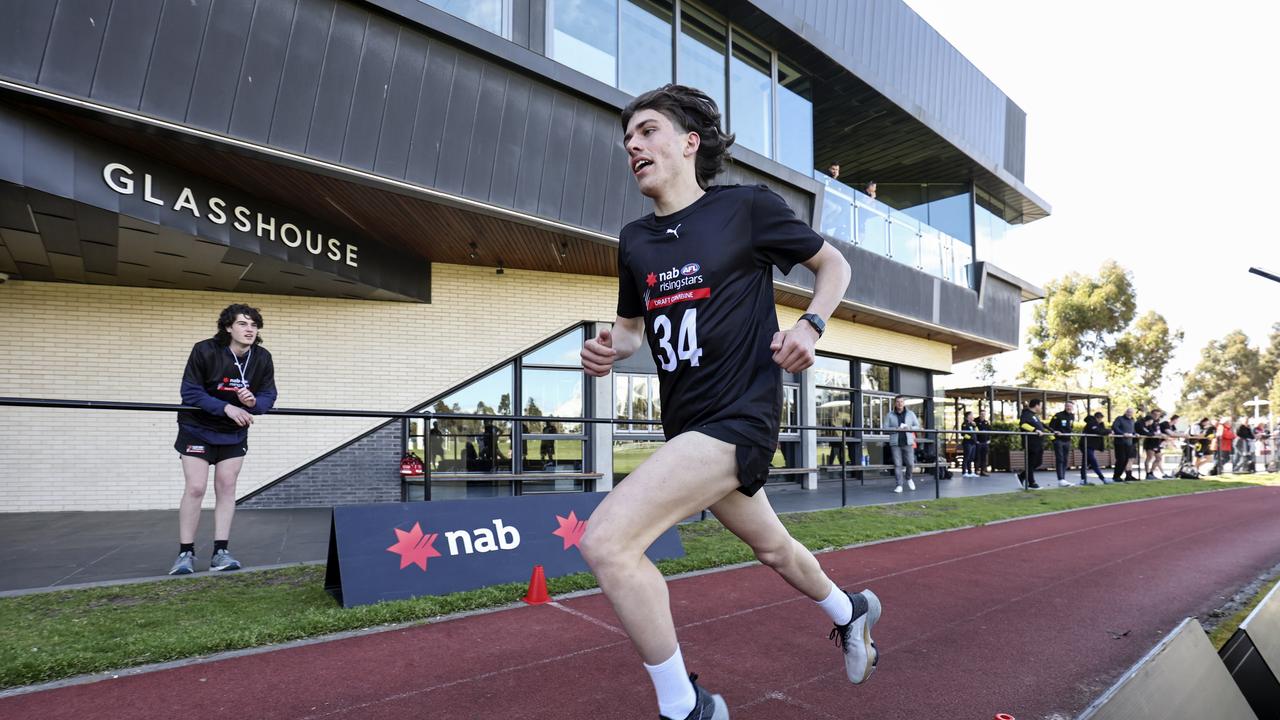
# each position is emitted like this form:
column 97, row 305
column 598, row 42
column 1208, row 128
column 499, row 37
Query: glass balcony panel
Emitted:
column 873, row 230
column 904, row 240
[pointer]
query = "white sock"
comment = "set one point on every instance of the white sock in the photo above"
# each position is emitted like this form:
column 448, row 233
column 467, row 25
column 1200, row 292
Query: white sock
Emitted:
column 837, row 606
column 675, row 693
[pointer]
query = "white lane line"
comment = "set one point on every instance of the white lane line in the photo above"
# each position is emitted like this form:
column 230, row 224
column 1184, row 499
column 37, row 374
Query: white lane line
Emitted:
column 594, row 621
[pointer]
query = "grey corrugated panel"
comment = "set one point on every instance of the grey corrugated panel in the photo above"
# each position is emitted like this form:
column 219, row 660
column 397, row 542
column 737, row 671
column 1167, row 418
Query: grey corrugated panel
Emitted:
column 23, row 37
column 74, row 42
column 300, row 80
column 403, row 91
column 1015, row 139
column 506, row 164
column 11, row 131
column 578, row 163
column 218, row 70
column 97, row 226
column 620, row 185
column 337, row 82
column 459, row 123
column 538, row 26
column 538, row 126
column 48, row 165
column 556, row 162
column 259, row 81
column 173, row 58
column 59, row 234
column 487, row 127
column 603, row 144
column 369, row 99
column 433, row 103
column 126, row 50
column 89, row 185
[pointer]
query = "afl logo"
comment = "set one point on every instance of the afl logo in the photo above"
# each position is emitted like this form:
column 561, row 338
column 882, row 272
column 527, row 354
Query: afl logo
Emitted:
column 690, row 269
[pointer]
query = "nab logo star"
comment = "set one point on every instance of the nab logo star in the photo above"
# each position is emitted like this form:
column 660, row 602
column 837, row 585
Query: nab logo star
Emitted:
column 651, row 280
column 414, row 548
column 571, row 529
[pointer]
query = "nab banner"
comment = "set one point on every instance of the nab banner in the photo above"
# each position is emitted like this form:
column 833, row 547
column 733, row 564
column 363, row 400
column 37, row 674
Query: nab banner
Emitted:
column 392, row 551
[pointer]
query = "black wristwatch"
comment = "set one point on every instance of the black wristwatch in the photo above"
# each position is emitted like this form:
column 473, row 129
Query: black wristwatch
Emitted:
column 815, row 321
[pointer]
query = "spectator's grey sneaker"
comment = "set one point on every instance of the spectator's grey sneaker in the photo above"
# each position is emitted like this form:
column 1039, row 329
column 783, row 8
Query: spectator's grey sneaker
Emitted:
column 854, row 637
column 184, row 565
column 222, row 560
column 705, row 705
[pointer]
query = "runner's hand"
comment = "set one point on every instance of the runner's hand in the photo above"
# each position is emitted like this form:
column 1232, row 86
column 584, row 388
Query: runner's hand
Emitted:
column 246, row 397
column 238, row 414
column 598, row 354
column 793, row 349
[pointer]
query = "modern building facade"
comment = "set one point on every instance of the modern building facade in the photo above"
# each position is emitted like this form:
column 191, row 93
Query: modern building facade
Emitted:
column 424, row 200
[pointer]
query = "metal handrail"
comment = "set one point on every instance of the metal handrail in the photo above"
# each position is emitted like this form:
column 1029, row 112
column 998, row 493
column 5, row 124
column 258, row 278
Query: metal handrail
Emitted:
column 843, row 431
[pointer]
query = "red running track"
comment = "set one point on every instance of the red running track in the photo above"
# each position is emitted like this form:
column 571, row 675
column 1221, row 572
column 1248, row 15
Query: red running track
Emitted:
column 1027, row 617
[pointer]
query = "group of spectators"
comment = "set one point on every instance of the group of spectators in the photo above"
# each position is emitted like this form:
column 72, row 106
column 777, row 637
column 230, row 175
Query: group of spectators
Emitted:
column 1139, row 439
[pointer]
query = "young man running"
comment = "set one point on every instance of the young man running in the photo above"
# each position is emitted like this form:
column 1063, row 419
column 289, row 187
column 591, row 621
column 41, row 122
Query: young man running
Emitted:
column 231, row 378
column 695, row 279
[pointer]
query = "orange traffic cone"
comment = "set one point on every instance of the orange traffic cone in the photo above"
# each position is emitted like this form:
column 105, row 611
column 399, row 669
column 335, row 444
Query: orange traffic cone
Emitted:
column 537, row 594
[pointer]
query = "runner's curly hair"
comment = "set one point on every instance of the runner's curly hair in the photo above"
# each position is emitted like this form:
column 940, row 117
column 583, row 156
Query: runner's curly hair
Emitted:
column 227, row 318
column 691, row 110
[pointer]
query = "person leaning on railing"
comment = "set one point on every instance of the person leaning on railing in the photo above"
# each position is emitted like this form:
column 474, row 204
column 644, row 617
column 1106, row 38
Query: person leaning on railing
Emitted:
column 1123, row 430
column 968, row 445
column 1033, row 441
column 1094, row 432
column 1062, row 423
column 984, row 444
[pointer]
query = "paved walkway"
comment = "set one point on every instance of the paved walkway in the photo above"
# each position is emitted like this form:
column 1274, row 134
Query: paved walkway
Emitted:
column 1033, row 618
column 43, row 550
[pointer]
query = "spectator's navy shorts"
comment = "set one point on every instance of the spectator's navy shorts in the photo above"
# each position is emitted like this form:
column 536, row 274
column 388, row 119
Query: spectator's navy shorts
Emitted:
column 192, row 446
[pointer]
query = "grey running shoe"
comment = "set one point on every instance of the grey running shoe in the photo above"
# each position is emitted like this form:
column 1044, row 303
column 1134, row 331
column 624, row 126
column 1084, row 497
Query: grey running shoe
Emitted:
column 184, row 565
column 854, row 637
column 705, row 705
column 222, row 560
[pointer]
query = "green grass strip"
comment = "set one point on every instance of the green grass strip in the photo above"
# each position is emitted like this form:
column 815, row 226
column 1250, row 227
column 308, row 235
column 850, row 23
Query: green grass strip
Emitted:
column 60, row 634
column 1225, row 629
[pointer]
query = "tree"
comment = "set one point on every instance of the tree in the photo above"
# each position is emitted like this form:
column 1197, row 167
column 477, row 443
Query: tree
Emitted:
column 1230, row 372
column 986, row 371
column 1271, row 356
column 1274, row 397
column 1134, row 365
column 1077, row 322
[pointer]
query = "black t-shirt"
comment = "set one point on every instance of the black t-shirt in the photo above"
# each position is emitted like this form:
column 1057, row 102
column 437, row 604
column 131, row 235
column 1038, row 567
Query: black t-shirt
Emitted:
column 702, row 278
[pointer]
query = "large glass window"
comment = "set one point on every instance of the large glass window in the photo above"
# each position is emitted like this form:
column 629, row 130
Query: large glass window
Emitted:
column 492, row 15
column 703, row 42
column 795, row 118
column 751, row 96
column 645, row 54
column 474, row 445
column 831, row 372
column 635, row 397
column 584, row 36
column 875, row 377
column 904, row 239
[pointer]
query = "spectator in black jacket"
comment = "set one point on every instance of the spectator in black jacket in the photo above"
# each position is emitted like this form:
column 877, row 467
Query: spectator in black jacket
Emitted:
column 984, row 445
column 230, row 377
column 1152, row 442
column 1094, row 432
column 968, row 445
column 1033, row 441
column 1061, row 424
column 1123, row 428
column 1244, row 458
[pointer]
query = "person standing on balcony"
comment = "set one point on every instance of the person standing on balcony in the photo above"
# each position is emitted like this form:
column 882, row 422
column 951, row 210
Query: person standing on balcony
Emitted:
column 695, row 281
column 834, row 171
column 1061, row 424
column 1033, row 442
column 230, row 377
column 871, row 190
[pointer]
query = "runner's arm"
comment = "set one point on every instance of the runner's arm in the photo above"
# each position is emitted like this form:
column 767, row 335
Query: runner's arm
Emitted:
column 831, row 280
column 610, row 345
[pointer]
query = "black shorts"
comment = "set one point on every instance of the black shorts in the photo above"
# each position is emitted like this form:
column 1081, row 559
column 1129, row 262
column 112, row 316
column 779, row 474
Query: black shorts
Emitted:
column 192, row 446
column 753, row 468
column 1152, row 444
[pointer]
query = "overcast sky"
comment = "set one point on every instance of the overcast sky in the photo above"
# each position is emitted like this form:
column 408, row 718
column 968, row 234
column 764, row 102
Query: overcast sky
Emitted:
column 1151, row 131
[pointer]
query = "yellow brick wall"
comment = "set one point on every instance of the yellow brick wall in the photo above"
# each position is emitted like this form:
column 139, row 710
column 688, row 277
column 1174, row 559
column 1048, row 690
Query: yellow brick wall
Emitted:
column 91, row 342
column 855, row 340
